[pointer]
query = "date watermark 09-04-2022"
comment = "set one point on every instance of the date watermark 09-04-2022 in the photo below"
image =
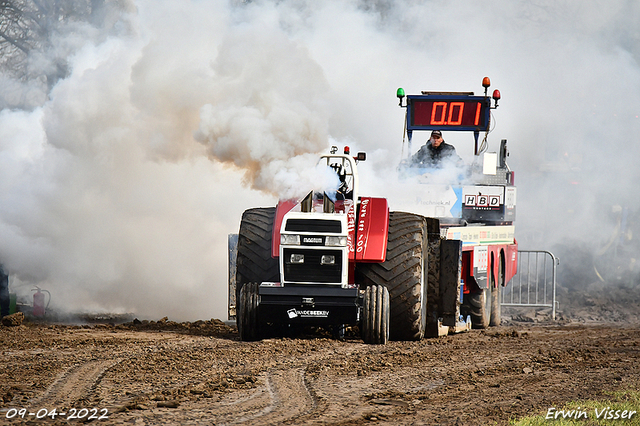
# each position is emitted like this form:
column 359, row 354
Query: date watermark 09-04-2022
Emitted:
column 84, row 414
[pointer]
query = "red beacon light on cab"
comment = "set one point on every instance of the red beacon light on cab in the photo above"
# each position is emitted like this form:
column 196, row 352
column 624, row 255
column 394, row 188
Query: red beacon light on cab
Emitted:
column 361, row 156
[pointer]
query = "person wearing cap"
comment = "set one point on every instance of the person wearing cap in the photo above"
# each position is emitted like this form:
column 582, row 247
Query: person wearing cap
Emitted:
column 434, row 152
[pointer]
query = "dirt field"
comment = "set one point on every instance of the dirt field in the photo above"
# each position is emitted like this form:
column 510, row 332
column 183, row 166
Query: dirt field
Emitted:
column 161, row 372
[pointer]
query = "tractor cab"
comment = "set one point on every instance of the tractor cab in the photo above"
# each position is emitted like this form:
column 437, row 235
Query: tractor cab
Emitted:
column 344, row 165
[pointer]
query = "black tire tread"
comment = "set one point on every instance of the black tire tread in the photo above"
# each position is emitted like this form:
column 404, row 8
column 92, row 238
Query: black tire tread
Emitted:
column 247, row 318
column 254, row 262
column 401, row 274
column 254, row 265
column 477, row 304
column 375, row 328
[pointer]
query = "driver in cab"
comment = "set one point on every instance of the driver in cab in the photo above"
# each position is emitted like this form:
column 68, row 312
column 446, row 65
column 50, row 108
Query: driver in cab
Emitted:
column 435, row 152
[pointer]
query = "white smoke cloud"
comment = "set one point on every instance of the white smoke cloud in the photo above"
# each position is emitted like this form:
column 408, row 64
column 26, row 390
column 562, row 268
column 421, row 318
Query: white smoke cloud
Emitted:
column 119, row 190
column 270, row 104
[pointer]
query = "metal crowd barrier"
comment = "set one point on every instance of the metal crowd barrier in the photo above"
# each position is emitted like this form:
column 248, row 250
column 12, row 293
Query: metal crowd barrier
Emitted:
column 535, row 283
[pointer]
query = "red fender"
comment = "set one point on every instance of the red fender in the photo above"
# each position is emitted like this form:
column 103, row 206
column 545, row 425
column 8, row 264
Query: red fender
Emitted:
column 282, row 208
column 511, row 261
column 372, row 230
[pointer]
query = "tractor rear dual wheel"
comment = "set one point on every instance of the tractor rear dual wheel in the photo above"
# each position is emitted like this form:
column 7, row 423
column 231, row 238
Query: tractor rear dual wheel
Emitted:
column 254, row 265
column 404, row 274
column 375, row 321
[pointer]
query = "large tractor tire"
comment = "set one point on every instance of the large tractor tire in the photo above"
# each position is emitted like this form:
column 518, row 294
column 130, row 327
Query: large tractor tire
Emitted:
column 375, row 321
column 404, row 274
column 254, row 263
column 247, row 315
column 478, row 306
column 496, row 288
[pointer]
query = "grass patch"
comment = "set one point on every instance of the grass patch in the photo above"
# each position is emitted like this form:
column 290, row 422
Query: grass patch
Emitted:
column 585, row 413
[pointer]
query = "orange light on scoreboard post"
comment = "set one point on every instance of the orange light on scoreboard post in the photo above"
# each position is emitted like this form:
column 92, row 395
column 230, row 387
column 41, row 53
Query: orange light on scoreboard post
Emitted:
column 457, row 111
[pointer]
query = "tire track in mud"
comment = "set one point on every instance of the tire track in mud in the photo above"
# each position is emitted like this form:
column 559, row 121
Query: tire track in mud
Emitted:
column 76, row 383
column 285, row 397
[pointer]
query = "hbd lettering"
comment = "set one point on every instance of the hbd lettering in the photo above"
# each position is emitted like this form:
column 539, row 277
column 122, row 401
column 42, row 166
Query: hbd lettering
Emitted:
column 604, row 414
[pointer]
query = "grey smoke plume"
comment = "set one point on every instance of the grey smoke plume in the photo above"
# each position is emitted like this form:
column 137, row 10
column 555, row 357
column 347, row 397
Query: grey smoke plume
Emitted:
column 120, row 187
column 270, row 108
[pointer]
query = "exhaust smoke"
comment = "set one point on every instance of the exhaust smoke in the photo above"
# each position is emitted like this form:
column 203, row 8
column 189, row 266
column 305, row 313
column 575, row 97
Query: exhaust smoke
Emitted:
column 120, row 182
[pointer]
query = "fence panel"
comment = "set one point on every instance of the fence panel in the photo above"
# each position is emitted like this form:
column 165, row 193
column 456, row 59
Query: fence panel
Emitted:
column 535, row 283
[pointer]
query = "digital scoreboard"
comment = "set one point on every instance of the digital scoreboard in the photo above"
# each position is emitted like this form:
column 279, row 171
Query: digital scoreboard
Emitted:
column 448, row 112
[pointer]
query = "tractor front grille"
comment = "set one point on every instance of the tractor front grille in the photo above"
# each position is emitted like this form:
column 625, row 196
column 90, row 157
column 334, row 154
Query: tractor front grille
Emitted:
column 314, row 225
column 312, row 271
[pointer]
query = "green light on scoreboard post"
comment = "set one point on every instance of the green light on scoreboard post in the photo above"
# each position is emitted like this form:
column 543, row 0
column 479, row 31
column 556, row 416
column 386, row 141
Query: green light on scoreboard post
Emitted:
column 400, row 94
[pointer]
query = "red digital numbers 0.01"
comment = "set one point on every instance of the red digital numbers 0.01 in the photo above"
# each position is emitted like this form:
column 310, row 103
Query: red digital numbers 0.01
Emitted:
column 463, row 113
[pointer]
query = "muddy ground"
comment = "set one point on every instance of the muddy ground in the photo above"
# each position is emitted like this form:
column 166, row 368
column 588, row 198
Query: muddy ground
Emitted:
column 162, row 372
